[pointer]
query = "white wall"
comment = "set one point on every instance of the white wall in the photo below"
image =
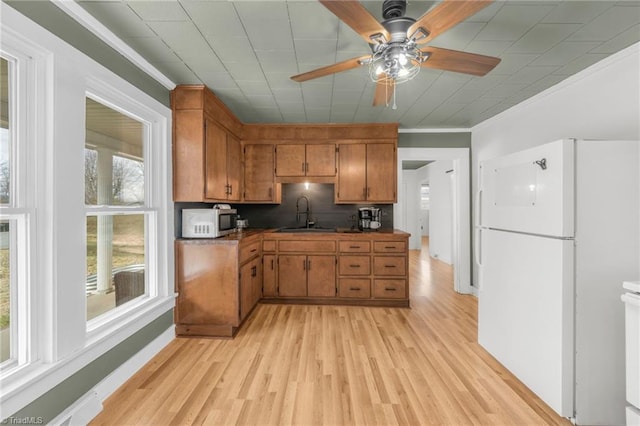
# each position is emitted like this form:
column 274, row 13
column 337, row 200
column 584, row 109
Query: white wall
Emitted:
column 601, row 102
column 441, row 212
column 411, row 187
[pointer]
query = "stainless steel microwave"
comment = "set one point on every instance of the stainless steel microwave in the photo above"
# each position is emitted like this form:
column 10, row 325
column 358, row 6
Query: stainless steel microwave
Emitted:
column 208, row 223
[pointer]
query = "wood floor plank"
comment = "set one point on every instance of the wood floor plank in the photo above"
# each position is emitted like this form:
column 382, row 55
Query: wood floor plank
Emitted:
column 337, row 365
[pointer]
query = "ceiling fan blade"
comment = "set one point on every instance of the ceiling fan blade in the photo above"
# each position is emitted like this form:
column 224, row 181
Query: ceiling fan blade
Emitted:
column 331, row 69
column 455, row 60
column 384, row 91
column 444, row 16
column 357, row 17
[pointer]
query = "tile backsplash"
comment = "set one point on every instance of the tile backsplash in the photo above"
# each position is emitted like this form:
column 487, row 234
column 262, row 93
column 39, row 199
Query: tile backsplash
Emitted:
column 324, row 212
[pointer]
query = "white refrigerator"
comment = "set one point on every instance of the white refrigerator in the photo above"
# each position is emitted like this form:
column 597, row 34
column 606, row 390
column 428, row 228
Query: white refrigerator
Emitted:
column 557, row 230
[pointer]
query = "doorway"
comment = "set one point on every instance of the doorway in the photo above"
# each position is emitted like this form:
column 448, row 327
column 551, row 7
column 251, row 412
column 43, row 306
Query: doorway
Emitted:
column 405, row 220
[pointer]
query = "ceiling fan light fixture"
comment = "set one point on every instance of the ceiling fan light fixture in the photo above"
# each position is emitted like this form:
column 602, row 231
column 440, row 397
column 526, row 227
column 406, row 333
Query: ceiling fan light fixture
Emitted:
column 399, row 62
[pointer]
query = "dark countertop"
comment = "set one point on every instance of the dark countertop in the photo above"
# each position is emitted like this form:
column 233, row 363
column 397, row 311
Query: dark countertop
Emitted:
column 341, row 233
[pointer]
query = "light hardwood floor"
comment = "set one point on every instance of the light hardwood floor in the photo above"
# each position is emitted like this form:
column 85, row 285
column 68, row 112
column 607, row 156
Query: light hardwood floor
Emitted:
column 337, row 365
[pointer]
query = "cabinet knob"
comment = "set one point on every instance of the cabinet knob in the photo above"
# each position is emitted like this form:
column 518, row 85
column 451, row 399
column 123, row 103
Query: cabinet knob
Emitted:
column 354, row 288
column 354, row 266
column 389, row 266
column 389, row 289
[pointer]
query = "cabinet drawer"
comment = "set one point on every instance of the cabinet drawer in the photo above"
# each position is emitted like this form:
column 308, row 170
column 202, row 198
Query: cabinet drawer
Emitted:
column 354, row 287
column 389, row 265
column 355, row 265
column 389, row 246
column 389, row 289
column 355, row 246
column 269, row 245
column 247, row 251
column 307, row 246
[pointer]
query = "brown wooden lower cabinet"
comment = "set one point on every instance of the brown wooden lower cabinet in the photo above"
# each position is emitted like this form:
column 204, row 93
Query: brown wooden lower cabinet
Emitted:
column 220, row 281
column 218, row 284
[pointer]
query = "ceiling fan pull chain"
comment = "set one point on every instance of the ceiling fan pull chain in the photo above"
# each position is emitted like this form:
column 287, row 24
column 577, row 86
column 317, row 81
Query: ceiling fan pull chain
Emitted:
column 394, row 100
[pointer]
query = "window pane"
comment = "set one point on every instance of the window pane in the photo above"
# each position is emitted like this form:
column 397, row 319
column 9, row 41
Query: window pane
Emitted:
column 115, row 261
column 5, row 165
column 114, row 157
column 5, row 292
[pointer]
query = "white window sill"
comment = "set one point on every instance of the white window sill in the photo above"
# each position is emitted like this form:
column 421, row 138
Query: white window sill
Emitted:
column 24, row 384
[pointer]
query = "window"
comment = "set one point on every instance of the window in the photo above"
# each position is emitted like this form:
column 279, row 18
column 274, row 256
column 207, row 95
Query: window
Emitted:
column 424, row 197
column 7, row 234
column 116, row 215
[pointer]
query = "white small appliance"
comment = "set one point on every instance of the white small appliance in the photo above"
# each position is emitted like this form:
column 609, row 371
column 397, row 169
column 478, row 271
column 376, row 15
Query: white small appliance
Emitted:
column 209, row 223
column 631, row 301
column 557, row 233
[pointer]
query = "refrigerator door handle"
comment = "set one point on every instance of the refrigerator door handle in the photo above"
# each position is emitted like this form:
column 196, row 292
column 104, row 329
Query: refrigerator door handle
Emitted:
column 478, row 230
column 476, row 250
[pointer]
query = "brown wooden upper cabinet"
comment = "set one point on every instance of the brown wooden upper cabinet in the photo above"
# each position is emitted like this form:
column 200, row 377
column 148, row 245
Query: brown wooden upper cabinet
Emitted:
column 305, row 160
column 366, row 173
column 206, row 147
column 222, row 164
column 259, row 180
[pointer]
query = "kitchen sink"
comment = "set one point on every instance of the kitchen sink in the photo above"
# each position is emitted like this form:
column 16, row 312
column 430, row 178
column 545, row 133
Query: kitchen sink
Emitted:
column 314, row 230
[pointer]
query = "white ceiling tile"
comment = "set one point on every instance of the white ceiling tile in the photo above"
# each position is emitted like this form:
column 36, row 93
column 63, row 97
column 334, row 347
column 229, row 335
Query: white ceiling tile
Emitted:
column 324, row 24
column 218, row 80
column 269, row 114
column 545, row 82
column 576, row 12
column 261, row 101
column 564, row 52
column 318, row 96
column 204, row 63
column 281, row 80
column 215, row 18
column 181, row 37
column 609, row 24
column 346, row 97
column 291, row 107
column 254, row 88
column 288, row 95
column 266, row 34
column 459, row 36
column 261, row 10
column 152, row 48
column 118, row 18
column 158, row 10
column 294, row 117
column 315, row 51
column 243, row 71
column 619, row 42
column 277, row 60
column 511, row 63
column 513, row 21
column 178, row 71
column 530, row 74
column 318, row 115
column 542, row 37
column 580, row 63
column 489, row 48
column 233, row 49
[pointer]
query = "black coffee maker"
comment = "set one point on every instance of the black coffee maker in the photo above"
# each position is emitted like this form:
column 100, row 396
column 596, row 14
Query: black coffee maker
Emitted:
column 368, row 218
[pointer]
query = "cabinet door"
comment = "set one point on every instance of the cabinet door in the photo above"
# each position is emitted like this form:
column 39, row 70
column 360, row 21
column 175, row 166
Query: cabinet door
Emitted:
column 215, row 162
column 269, row 275
column 256, row 281
column 258, row 173
column 246, row 289
column 381, row 172
column 321, row 271
column 292, row 275
column 321, row 160
column 234, row 163
column 290, row 160
column 352, row 173
column 206, row 295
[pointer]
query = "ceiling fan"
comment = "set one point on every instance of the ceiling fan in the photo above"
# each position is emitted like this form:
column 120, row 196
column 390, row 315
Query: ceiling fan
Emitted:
column 396, row 56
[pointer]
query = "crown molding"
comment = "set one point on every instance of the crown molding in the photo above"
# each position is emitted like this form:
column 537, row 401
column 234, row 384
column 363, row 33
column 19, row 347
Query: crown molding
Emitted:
column 84, row 18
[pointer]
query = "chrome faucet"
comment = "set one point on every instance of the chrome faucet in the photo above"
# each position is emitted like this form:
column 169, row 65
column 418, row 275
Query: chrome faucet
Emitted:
column 307, row 212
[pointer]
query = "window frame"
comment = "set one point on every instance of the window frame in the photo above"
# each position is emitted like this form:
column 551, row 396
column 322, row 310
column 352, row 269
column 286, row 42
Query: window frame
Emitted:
column 109, row 96
column 20, row 210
